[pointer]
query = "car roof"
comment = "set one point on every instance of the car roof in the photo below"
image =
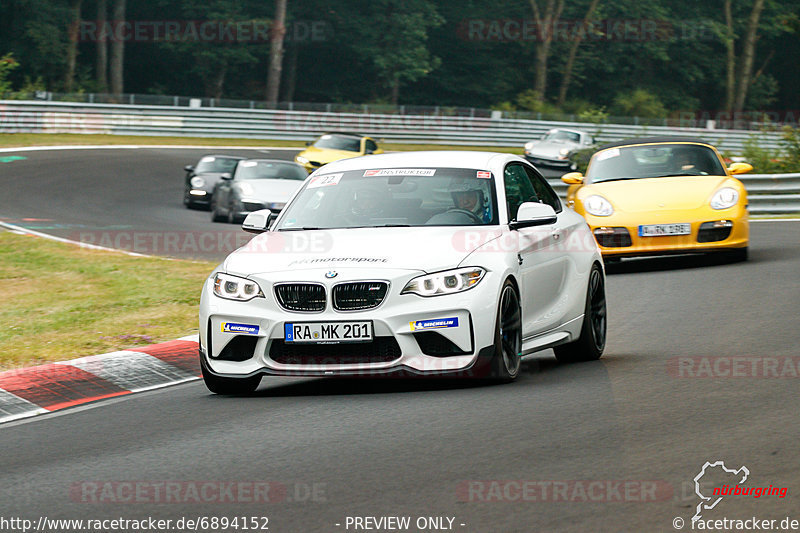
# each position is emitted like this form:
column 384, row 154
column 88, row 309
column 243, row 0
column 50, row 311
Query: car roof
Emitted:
column 264, row 160
column 225, row 156
column 344, row 133
column 432, row 159
column 664, row 139
column 581, row 132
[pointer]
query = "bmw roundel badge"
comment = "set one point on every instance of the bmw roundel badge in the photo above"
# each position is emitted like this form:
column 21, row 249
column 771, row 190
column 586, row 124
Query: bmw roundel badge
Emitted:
column 331, row 274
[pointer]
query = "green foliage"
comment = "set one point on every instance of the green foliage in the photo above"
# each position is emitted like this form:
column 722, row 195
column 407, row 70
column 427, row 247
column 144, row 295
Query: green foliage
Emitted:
column 790, row 142
column 595, row 115
column 784, row 159
column 638, row 103
column 7, row 64
column 764, row 160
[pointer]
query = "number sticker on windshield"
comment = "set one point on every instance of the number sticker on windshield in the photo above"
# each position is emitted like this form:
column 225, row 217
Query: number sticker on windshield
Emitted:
column 324, row 181
column 608, row 154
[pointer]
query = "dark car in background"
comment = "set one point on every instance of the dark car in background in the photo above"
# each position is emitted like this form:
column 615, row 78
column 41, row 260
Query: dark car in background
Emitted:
column 253, row 185
column 202, row 177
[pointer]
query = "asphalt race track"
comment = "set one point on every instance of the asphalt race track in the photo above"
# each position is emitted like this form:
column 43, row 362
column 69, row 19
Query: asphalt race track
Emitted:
column 701, row 366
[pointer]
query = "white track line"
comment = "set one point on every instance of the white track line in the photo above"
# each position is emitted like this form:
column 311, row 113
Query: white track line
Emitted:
column 138, row 146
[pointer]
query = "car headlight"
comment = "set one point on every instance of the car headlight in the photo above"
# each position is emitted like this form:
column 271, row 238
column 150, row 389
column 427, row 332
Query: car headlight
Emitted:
column 236, row 288
column 529, row 145
column 564, row 152
column 447, row 282
column 197, row 182
column 246, row 188
column 598, row 206
column 300, row 159
column 724, row 198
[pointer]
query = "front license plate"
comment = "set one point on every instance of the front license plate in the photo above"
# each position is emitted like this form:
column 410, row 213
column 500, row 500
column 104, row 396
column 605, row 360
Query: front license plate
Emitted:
column 327, row 332
column 660, row 230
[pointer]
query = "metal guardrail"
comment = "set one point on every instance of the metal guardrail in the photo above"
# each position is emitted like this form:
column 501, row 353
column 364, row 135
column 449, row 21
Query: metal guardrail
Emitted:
column 769, row 194
column 122, row 119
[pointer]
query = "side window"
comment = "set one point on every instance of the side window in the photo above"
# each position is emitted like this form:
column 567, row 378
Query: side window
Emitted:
column 370, row 146
column 543, row 190
column 518, row 188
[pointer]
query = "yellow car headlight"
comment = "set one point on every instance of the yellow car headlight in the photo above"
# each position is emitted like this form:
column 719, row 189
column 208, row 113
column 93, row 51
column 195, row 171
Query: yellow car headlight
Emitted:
column 724, row 198
column 598, row 206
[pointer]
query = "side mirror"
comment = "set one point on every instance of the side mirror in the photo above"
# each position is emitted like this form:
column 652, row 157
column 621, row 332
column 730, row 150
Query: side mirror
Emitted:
column 740, row 168
column 188, row 168
column 572, row 178
column 257, row 221
column 533, row 214
column 226, row 176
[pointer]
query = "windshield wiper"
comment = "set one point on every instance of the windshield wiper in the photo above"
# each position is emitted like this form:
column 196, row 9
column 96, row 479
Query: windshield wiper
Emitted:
column 302, row 228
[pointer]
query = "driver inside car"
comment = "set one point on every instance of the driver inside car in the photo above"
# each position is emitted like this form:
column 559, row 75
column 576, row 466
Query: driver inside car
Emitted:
column 469, row 206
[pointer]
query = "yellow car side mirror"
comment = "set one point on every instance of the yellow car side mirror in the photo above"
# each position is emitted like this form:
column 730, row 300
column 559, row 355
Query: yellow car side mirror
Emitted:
column 740, row 168
column 573, row 178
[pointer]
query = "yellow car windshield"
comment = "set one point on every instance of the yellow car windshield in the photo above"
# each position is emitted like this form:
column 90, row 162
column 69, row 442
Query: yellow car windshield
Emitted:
column 653, row 161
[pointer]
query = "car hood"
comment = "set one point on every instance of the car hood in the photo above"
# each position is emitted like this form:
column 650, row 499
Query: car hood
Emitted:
column 653, row 194
column 210, row 179
column 269, row 190
column 551, row 148
column 326, row 155
column 427, row 249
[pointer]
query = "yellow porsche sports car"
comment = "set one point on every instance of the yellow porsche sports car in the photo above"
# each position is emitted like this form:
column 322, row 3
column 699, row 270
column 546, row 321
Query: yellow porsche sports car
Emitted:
column 335, row 146
column 659, row 196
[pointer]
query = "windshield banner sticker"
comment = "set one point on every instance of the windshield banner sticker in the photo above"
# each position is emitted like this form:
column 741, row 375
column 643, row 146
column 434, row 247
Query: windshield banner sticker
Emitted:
column 401, row 172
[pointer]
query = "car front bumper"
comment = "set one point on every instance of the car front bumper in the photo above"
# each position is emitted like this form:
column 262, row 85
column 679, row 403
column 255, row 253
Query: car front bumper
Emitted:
column 707, row 240
column 266, row 352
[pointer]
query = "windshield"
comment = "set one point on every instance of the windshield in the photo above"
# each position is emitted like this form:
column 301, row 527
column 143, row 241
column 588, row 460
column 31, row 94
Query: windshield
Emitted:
column 561, row 135
column 393, row 197
column 654, row 161
column 339, row 142
column 212, row 163
column 269, row 170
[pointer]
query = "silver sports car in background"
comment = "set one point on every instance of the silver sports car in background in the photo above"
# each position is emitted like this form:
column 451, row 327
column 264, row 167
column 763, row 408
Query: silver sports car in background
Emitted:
column 255, row 184
column 553, row 149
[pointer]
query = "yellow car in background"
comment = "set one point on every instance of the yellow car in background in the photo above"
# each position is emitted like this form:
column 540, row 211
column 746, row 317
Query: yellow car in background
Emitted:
column 335, row 146
column 659, row 196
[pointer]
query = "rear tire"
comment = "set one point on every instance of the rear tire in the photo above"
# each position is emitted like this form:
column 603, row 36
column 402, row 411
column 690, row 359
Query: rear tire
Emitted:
column 592, row 341
column 228, row 386
column 507, row 358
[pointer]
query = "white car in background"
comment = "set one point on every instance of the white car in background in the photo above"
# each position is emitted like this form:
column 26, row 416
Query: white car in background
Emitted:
column 555, row 146
column 427, row 263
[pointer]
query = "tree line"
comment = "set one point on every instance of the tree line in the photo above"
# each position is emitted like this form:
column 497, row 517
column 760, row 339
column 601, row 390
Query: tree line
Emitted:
column 627, row 57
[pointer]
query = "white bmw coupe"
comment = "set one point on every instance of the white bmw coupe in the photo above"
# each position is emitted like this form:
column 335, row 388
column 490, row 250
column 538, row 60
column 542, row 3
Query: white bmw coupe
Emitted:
column 417, row 263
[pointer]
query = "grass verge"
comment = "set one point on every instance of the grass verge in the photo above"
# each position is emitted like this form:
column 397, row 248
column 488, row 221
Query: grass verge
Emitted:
column 15, row 140
column 61, row 302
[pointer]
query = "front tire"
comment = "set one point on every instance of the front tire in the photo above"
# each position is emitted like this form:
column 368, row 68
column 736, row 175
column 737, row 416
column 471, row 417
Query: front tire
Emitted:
column 215, row 216
column 507, row 358
column 228, row 386
column 737, row 255
column 592, row 341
